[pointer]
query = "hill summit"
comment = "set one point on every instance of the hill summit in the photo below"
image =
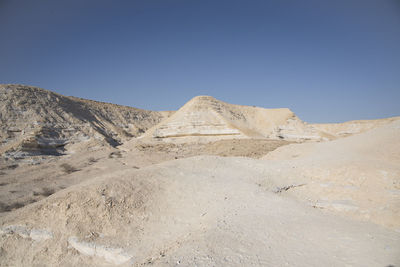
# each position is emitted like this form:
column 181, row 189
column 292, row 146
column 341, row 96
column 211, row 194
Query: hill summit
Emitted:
column 205, row 116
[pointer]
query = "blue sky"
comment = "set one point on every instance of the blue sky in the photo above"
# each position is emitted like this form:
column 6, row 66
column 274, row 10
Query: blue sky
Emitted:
column 328, row 61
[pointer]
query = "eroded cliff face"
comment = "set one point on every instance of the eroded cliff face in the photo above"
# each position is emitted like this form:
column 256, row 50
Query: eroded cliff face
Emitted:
column 37, row 121
column 205, row 116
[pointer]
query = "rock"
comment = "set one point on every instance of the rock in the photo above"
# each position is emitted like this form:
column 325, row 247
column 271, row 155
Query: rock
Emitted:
column 111, row 255
column 24, row 232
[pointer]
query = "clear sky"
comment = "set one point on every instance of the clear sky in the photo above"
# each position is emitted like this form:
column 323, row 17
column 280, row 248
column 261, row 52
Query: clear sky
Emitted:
column 328, row 61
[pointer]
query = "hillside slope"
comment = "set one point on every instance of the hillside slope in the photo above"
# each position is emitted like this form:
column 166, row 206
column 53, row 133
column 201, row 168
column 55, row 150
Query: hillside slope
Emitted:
column 348, row 128
column 35, row 120
column 357, row 175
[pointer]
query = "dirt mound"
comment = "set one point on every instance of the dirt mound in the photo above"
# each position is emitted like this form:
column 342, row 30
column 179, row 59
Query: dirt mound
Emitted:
column 198, row 211
column 37, row 121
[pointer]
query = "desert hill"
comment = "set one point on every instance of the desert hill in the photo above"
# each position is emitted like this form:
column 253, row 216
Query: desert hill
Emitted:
column 205, row 116
column 35, row 120
column 250, row 193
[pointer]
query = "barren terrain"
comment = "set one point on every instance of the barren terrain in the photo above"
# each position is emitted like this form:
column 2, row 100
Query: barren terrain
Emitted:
column 85, row 183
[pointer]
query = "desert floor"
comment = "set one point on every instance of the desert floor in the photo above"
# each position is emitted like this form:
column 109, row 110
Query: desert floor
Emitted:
column 237, row 202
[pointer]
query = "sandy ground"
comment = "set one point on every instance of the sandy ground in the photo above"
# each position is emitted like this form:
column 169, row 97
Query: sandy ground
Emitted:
column 225, row 203
column 22, row 183
column 205, row 211
column 357, row 176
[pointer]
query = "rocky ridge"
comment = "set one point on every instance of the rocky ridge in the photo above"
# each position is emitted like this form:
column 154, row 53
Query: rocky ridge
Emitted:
column 37, row 121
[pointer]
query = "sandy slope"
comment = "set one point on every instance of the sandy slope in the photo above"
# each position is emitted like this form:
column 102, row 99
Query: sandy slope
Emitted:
column 357, row 175
column 351, row 127
column 205, row 211
column 23, row 183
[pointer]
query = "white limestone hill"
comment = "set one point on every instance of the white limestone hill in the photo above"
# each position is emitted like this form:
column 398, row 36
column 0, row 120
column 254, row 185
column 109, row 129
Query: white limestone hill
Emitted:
column 205, row 116
column 35, row 120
